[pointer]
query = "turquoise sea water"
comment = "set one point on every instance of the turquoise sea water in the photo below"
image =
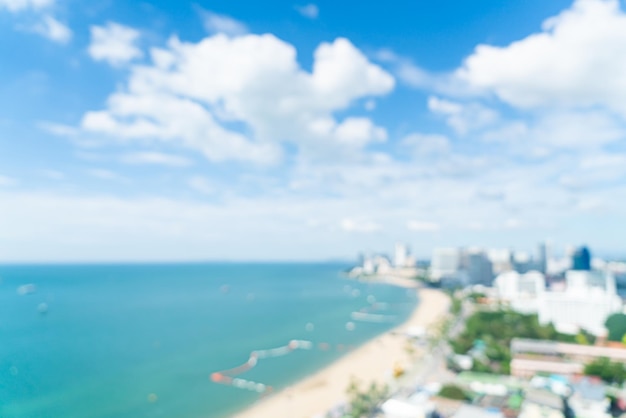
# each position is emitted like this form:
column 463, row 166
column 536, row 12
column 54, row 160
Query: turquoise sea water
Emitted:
column 114, row 334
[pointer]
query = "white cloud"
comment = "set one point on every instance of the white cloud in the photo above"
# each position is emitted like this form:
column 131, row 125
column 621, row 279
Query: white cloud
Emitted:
column 20, row 5
column 594, row 170
column 46, row 24
column 359, row 132
column 462, row 117
column 310, row 11
column 422, row 145
column 359, row 225
column 551, row 131
column 216, row 23
column 423, row 226
column 590, row 204
column 104, row 174
column 414, row 76
column 6, row 181
column 156, row 158
column 578, row 59
column 114, row 43
column 202, row 185
column 51, row 28
column 370, row 105
column 475, row 226
column 513, row 223
column 194, row 90
column 53, row 174
column 59, row 129
column 366, row 195
column 578, row 129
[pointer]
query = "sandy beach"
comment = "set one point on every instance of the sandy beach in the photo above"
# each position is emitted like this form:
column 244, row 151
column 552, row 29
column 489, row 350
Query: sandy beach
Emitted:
column 372, row 362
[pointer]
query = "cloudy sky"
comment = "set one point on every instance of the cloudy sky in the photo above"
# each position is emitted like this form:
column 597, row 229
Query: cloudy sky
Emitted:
column 243, row 130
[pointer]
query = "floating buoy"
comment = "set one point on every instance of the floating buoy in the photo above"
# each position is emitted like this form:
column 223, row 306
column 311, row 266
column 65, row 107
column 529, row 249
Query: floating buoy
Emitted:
column 350, row 326
column 42, row 308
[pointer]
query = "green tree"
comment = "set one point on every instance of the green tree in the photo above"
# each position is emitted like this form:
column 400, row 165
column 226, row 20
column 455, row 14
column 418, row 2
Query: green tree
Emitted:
column 497, row 328
column 364, row 402
column 613, row 373
column 581, row 338
column 616, row 324
column 453, row 392
column 456, row 306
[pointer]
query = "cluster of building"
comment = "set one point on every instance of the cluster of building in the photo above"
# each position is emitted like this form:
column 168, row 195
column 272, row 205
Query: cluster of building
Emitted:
column 580, row 298
column 401, row 264
column 583, row 301
column 500, row 396
column 574, row 292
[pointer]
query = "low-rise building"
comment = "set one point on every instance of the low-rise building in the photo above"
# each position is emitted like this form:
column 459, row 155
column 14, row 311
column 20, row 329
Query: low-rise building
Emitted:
column 537, row 356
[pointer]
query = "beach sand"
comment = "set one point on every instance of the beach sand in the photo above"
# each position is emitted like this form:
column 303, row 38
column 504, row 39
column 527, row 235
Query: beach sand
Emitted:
column 372, row 362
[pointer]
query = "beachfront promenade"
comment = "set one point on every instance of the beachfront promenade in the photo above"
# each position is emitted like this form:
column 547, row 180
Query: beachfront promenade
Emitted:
column 373, row 362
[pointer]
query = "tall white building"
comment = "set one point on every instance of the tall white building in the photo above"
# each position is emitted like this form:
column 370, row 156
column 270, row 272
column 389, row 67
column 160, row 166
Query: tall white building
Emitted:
column 401, row 255
column 589, row 298
column 521, row 291
column 445, row 262
column 500, row 259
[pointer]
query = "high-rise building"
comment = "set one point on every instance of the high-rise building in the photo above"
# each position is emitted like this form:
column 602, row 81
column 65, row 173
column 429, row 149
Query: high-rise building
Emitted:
column 521, row 261
column 479, row 268
column 401, row 255
column 500, row 260
column 521, row 291
column 581, row 260
column 542, row 258
column 445, row 262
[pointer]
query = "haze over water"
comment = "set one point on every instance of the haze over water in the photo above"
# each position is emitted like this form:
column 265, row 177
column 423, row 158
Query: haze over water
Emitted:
column 114, row 334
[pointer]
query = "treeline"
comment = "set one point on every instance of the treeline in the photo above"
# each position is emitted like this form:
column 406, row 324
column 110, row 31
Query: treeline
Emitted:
column 488, row 335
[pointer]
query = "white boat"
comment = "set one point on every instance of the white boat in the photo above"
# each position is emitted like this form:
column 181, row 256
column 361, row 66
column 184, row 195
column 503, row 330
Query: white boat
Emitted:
column 26, row 289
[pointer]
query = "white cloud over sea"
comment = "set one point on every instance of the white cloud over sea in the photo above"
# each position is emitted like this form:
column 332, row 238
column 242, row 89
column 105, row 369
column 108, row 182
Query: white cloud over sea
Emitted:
column 241, row 145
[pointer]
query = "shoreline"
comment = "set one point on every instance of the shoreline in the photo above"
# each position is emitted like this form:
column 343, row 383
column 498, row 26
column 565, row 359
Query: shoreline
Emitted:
column 374, row 361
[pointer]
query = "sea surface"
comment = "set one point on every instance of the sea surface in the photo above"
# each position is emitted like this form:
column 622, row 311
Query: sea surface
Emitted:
column 96, row 341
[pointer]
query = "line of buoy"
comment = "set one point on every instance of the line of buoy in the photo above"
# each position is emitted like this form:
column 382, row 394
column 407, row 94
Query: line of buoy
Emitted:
column 230, row 377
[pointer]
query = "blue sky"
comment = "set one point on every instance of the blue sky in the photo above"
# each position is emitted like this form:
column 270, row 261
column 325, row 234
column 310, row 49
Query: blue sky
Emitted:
column 307, row 131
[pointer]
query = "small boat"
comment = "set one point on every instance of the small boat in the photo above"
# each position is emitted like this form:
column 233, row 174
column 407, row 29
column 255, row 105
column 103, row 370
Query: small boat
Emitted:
column 26, row 289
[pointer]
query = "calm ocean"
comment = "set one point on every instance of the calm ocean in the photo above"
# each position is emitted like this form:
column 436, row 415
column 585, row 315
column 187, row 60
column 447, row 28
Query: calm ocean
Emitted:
column 114, row 334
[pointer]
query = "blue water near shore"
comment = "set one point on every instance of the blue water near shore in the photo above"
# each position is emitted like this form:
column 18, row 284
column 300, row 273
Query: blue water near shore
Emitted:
column 114, row 334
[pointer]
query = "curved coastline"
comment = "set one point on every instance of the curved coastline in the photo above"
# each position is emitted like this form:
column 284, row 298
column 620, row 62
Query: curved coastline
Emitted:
column 372, row 362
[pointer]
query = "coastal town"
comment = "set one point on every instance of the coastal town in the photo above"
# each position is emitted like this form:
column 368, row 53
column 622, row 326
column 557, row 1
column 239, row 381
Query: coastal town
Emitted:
column 497, row 334
column 526, row 336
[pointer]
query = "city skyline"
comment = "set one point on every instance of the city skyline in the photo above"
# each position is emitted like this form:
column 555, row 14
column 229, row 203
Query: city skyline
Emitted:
column 203, row 131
